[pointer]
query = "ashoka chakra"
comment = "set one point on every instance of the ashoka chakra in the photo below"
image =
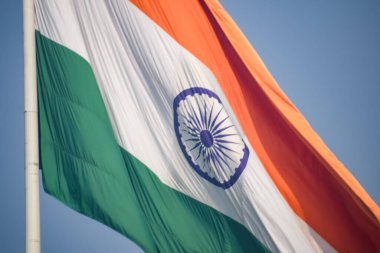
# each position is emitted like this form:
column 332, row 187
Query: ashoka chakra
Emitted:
column 208, row 138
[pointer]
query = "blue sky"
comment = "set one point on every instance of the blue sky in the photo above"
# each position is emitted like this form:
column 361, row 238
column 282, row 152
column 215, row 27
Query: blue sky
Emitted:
column 324, row 54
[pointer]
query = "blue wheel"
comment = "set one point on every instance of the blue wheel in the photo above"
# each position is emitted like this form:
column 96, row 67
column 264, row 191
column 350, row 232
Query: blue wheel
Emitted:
column 208, row 138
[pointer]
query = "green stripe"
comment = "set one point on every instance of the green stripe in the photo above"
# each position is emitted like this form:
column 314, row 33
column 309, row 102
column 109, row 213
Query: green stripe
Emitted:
column 83, row 166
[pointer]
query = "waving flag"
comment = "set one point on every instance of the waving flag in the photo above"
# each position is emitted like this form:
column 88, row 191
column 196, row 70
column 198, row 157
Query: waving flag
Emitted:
column 158, row 119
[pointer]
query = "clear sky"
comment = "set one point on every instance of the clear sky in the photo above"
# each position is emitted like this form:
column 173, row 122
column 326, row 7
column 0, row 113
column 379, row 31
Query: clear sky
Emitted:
column 324, row 54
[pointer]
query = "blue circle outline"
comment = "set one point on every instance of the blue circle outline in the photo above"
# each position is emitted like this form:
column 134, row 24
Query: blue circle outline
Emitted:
column 243, row 161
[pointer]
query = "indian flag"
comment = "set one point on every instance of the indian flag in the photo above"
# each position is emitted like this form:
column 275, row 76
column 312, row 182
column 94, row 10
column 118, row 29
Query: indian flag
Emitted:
column 158, row 119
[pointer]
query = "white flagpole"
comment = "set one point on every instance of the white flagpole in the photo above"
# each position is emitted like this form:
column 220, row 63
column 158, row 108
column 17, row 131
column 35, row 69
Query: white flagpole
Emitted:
column 32, row 199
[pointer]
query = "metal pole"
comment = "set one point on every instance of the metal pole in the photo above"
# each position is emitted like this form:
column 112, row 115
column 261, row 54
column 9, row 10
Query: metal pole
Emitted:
column 32, row 199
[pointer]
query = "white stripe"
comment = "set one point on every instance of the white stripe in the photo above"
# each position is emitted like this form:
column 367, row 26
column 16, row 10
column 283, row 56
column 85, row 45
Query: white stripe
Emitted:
column 140, row 70
column 53, row 16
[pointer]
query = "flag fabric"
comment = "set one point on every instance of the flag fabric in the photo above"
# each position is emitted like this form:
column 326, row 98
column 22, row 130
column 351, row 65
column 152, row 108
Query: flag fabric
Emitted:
column 158, row 119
